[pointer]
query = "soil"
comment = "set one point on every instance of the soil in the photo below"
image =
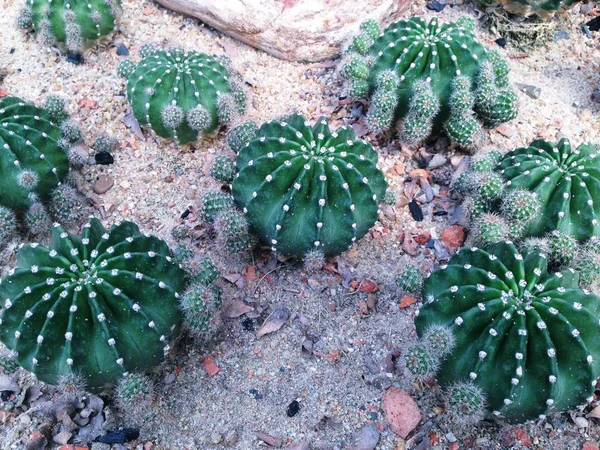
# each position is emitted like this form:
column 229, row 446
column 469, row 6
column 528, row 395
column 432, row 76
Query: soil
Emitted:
column 332, row 355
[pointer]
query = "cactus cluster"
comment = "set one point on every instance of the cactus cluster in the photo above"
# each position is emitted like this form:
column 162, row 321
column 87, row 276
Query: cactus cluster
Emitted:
column 306, row 187
column 36, row 144
column 540, row 8
column 199, row 305
column 70, row 23
column 182, row 95
column 526, row 337
column 431, row 77
column 98, row 305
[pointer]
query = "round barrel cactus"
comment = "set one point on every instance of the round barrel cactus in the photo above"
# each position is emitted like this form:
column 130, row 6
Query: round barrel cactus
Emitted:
column 100, row 304
column 72, row 23
column 430, row 76
column 565, row 180
column 541, row 8
column 305, row 187
column 32, row 162
column 527, row 337
column 182, row 95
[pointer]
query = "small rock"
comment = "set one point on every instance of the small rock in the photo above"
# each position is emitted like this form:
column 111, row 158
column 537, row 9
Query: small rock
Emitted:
column 531, row 91
column 506, row 130
column 299, row 446
column 75, row 58
column 581, row 422
column 501, row 42
column 293, row 408
column 102, row 184
column 561, row 35
column 415, row 211
column 438, row 160
column 590, row 446
column 122, row 50
column 401, row 411
column 594, row 24
column 120, row 436
column 368, row 438
column 64, row 436
column 410, row 246
column 38, row 441
column 453, row 237
column 596, row 94
column 435, row 6
column 215, row 438
column 269, row 440
column 100, row 446
column 104, row 158
column 210, row 366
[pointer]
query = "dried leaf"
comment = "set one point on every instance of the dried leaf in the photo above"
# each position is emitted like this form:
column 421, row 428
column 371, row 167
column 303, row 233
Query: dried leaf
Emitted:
column 594, row 413
column 275, row 321
column 236, row 308
column 368, row 286
column 235, row 278
column 131, row 122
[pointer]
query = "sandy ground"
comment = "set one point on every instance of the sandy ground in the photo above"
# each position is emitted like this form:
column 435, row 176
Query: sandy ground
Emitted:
column 339, row 385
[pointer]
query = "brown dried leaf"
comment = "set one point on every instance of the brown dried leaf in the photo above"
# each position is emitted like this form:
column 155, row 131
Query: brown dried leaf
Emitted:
column 236, row 308
column 131, row 122
column 594, row 413
column 275, row 321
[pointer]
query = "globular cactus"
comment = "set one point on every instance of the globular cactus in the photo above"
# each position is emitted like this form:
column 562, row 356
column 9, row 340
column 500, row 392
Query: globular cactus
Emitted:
column 205, row 272
column 8, row 225
column 34, row 160
column 313, row 260
column 182, row 95
column 421, row 362
column 305, row 188
column 411, row 279
column 465, row 403
column 68, row 206
column 241, row 136
column 131, row 389
column 214, row 203
column 232, row 230
column 199, row 305
column 71, row 23
column 563, row 247
column 223, row 169
column 490, row 228
column 587, row 263
column 8, row 364
column 71, row 387
column 528, row 338
column 432, row 77
column 566, row 181
column 544, row 9
column 99, row 305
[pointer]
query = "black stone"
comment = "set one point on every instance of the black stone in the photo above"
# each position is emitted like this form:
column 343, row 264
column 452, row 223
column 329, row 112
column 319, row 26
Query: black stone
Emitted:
column 435, row 6
column 257, row 395
column 501, row 42
column 248, row 324
column 594, row 24
column 5, row 395
column 120, row 437
column 122, row 50
column 12, row 50
column 75, row 58
column 415, row 211
column 293, row 408
column 186, row 213
column 104, row 158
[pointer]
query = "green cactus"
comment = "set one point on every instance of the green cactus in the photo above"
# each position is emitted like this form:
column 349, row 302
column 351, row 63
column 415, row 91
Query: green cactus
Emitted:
column 199, row 304
column 132, row 388
column 72, row 23
column 68, row 206
column 432, row 77
column 8, row 225
column 489, row 229
column 313, row 260
column 214, row 203
column 526, row 337
column 411, row 279
column 465, row 403
column 565, row 180
column 183, row 95
column 306, row 187
column 421, row 362
column 105, row 143
column 8, row 364
column 544, row 9
column 206, row 272
column 563, row 248
column 223, row 169
column 179, row 232
column 32, row 162
column 587, row 263
column 241, row 136
column 233, row 231
column 98, row 305
column 440, row 340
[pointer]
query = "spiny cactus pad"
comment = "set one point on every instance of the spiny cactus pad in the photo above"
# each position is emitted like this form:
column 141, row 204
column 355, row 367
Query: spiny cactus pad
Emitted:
column 432, row 77
column 542, row 8
column 71, row 22
column 32, row 162
column 565, row 180
column 527, row 337
column 306, row 187
column 100, row 305
column 183, row 94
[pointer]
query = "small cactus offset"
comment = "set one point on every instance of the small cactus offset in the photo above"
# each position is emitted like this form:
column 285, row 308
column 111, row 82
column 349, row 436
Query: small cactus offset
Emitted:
column 214, row 203
column 432, row 77
column 528, row 338
column 182, row 95
column 465, row 403
column 241, row 136
column 132, row 388
column 223, row 169
column 411, row 279
column 306, row 187
column 565, row 180
column 199, row 304
column 205, row 272
column 421, row 362
column 544, row 9
column 99, row 305
column 70, row 23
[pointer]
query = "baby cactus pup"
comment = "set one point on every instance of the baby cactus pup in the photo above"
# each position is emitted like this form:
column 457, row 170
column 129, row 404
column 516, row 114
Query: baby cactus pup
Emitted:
column 544, row 9
column 132, row 388
column 430, row 77
column 440, row 340
column 528, row 338
column 421, row 362
column 213, row 203
column 8, row 364
column 70, row 23
column 563, row 248
column 241, row 136
column 100, row 304
column 566, row 182
column 411, row 279
column 465, row 403
column 182, row 95
column 206, row 272
column 305, row 188
column 313, row 260
column 199, row 303
column 233, row 231
column 8, row 225
column 490, row 228
column 223, row 169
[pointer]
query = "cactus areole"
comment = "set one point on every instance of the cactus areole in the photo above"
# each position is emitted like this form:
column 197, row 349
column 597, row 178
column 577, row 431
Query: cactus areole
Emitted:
column 32, row 163
column 566, row 180
column 99, row 305
column 527, row 337
column 305, row 187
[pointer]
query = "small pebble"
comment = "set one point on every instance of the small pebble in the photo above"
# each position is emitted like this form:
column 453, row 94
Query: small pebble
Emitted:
column 75, row 58
column 104, row 158
column 122, row 50
column 102, row 184
column 415, row 211
column 581, row 422
column 561, row 35
column 435, row 6
column 501, row 42
column 531, row 91
column 215, row 438
column 293, row 408
column 596, row 94
column 120, row 436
